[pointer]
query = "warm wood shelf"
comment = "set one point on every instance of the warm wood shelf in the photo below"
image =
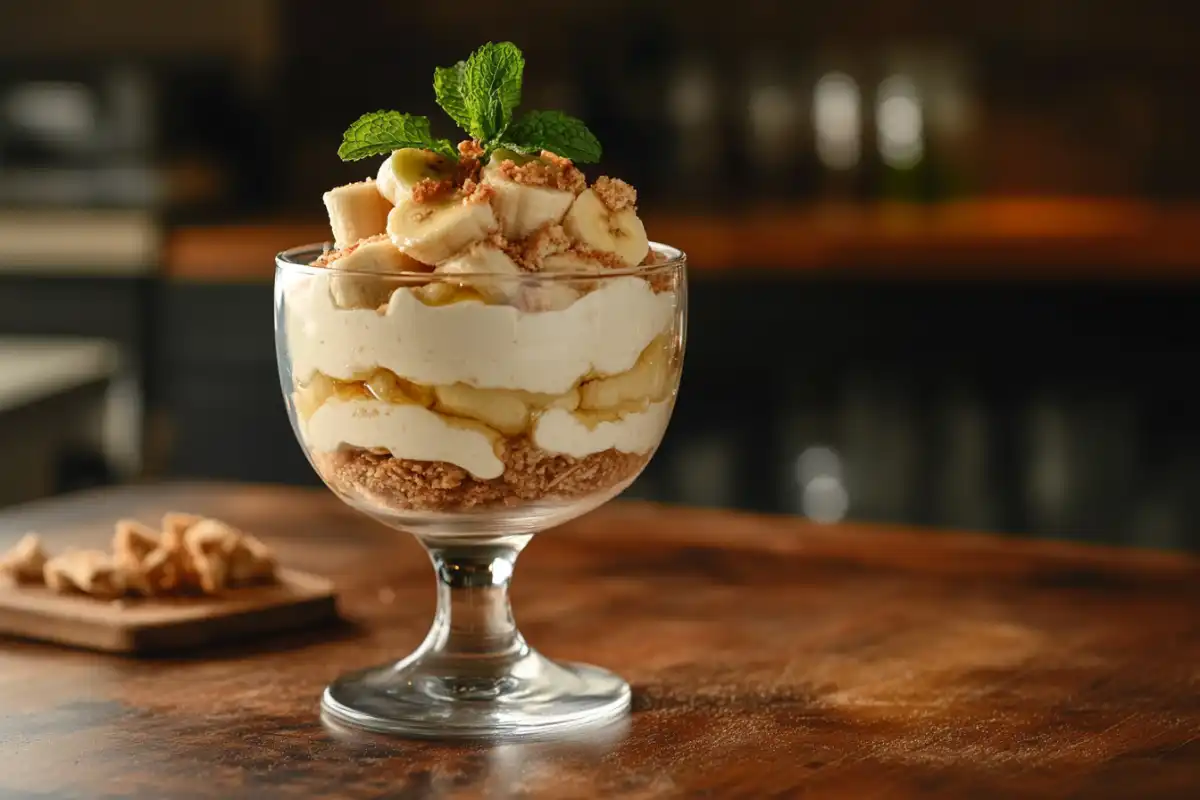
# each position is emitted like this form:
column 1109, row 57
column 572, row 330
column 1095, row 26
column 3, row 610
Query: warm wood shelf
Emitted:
column 990, row 240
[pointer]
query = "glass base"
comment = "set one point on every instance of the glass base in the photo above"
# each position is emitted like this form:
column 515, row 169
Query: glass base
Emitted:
column 534, row 697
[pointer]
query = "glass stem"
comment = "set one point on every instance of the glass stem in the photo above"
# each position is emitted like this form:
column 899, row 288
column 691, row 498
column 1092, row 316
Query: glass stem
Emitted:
column 473, row 629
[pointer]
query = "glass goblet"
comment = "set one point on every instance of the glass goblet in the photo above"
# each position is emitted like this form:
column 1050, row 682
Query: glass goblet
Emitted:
column 473, row 411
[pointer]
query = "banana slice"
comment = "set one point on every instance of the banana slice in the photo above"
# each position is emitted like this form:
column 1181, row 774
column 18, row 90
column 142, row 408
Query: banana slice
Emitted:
column 405, row 168
column 356, row 211
column 646, row 380
column 523, row 209
column 496, row 408
column 488, row 270
column 433, row 233
column 363, row 291
column 546, row 297
column 591, row 222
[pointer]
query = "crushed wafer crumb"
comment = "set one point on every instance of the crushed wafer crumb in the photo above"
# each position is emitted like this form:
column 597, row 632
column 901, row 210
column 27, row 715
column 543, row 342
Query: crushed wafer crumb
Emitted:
column 479, row 193
column 530, row 474
column 616, row 194
column 428, row 190
column 602, row 257
column 549, row 171
column 548, row 240
column 470, row 148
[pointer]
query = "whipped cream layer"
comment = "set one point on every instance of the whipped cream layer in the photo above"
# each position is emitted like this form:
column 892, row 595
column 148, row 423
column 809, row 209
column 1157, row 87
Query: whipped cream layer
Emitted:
column 487, row 346
column 415, row 432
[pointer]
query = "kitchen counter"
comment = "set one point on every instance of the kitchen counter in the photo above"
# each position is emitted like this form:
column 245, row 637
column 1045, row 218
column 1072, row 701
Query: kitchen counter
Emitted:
column 769, row 658
column 1052, row 239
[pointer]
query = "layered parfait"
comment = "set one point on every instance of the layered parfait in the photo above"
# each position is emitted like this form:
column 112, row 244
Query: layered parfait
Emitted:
column 489, row 329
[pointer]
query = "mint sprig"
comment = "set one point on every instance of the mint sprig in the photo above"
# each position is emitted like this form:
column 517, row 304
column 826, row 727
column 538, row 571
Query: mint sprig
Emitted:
column 480, row 95
column 555, row 131
column 381, row 132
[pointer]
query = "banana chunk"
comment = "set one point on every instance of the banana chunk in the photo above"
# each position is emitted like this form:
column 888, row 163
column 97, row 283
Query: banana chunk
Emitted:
column 593, row 224
column 496, row 408
column 522, row 209
column 356, row 211
column 646, row 380
column 405, row 168
column 364, row 291
column 433, row 233
column 488, row 270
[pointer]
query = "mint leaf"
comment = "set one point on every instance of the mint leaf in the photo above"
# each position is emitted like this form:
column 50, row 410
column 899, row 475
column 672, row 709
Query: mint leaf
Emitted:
column 559, row 133
column 381, row 132
column 493, row 76
column 449, row 86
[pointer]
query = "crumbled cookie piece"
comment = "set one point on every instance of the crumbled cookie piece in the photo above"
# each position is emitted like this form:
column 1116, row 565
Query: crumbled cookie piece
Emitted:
column 132, row 543
column 479, row 193
column 251, row 561
column 90, row 572
column 428, row 191
column 616, row 194
column 548, row 171
column 25, row 562
column 210, row 544
column 470, row 149
column 548, row 240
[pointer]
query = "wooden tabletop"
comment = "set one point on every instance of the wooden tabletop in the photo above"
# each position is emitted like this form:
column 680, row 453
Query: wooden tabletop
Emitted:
column 769, row 658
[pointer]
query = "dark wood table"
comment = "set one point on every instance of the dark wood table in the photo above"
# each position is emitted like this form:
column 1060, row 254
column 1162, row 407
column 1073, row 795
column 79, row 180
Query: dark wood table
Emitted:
column 769, row 658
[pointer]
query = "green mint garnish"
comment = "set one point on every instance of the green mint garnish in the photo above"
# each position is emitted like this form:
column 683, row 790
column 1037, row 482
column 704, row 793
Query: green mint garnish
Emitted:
column 480, row 95
column 381, row 132
column 563, row 135
column 493, row 76
column 448, row 86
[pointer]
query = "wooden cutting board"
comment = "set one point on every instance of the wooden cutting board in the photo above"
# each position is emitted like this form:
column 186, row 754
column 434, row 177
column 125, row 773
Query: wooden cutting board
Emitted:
column 143, row 626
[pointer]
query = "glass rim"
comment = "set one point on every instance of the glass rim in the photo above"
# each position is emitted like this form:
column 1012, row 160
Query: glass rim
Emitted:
column 296, row 260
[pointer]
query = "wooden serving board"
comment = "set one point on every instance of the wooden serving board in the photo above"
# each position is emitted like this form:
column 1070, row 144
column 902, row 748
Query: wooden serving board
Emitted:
column 142, row 626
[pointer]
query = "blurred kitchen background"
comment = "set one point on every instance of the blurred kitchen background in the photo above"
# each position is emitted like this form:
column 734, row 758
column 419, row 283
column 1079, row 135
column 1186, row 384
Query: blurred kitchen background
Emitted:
column 945, row 253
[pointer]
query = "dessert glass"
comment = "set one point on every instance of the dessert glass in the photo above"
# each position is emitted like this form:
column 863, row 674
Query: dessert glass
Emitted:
column 474, row 411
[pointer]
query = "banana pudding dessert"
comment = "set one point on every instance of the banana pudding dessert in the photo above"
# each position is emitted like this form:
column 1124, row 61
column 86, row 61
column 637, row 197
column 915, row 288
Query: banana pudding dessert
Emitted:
column 489, row 329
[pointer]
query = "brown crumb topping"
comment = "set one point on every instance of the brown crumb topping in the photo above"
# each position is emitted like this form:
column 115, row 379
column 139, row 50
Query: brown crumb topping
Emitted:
column 429, row 190
column 545, row 241
column 602, row 257
column 470, row 149
column 549, row 171
column 616, row 194
column 530, row 474
column 477, row 193
column 330, row 256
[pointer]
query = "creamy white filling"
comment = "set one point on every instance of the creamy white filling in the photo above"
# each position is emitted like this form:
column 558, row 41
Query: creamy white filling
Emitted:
column 559, row 431
column 488, row 346
column 407, row 431
column 415, row 432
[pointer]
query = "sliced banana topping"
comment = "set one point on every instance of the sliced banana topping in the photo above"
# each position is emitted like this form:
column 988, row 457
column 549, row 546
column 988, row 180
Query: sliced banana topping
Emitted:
column 488, row 269
column 433, row 233
column 356, row 211
column 405, row 168
column 591, row 223
column 364, row 291
column 523, row 209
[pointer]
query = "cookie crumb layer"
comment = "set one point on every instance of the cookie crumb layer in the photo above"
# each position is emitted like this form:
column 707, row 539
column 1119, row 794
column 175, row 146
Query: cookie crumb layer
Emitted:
column 530, row 474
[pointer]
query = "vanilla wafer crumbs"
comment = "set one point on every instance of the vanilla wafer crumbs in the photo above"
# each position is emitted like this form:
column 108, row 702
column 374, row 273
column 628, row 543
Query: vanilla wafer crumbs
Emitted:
column 189, row 555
